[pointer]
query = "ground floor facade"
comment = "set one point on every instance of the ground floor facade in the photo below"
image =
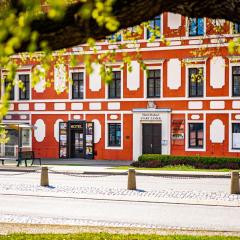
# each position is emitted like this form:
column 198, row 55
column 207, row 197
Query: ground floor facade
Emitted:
column 125, row 134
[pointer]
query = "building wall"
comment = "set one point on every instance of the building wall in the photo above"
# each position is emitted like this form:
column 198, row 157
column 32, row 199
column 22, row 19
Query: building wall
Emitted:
column 217, row 109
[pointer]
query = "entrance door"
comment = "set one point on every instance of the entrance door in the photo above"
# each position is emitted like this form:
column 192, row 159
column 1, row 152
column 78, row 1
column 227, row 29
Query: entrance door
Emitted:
column 77, row 147
column 152, row 138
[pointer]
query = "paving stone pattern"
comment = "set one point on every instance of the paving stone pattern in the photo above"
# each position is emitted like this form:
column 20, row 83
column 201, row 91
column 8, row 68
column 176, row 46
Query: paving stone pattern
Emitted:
column 116, row 193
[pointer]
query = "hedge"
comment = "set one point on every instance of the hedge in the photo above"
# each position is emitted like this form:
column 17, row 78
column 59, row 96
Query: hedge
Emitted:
column 157, row 160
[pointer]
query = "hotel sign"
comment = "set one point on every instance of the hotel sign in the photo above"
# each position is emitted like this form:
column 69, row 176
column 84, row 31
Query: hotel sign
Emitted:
column 150, row 117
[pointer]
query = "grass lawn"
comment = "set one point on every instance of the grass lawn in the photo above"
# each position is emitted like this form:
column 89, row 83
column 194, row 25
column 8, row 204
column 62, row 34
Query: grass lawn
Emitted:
column 108, row 236
column 176, row 168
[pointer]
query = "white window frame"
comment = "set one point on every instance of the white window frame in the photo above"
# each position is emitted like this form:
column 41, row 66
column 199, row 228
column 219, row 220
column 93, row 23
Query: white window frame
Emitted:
column 187, row 80
column 161, row 30
column 187, row 149
column 235, row 64
column 230, row 147
column 70, row 84
column 106, row 133
column 160, row 67
column 106, row 86
column 17, row 87
column 195, row 37
column 231, row 30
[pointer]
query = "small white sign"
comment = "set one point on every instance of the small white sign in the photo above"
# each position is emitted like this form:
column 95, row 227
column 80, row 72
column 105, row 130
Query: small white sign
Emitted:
column 151, row 117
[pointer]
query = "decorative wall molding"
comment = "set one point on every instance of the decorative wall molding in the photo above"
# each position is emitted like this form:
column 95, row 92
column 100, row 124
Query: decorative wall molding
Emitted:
column 217, row 131
column 23, row 106
column 60, row 78
column 76, row 106
column 114, row 106
column 195, row 105
column 133, row 77
column 174, row 20
column 56, row 129
column 97, row 130
column 174, row 74
column 217, row 72
column 95, row 106
column 40, row 86
column 95, row 78
column 40, row 130
column 217, row 104
column 40, row 106
column 59, row 106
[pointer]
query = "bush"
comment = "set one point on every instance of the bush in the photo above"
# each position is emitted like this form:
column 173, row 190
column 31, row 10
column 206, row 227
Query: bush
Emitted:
column 157, row 160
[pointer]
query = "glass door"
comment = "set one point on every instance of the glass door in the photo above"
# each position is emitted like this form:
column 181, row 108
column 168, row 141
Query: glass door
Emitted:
column 77, row 142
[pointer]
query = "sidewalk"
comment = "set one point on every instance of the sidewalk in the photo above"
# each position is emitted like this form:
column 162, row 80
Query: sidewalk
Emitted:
column 104, row 169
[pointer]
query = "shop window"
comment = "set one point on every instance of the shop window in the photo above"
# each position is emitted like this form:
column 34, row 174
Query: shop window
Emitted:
column 155, row 25
column 8, row 86
column 195, row 77
column 114, row 134
column 236, row 135
column 114, row 87
column 195, row 135
column 77, row 85
column 24, row 91
column 196, row 26
column 236, row 81
column 236, row 28
column 154, row 83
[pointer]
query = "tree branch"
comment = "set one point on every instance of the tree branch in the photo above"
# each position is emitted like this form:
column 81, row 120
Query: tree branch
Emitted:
column 72, row 31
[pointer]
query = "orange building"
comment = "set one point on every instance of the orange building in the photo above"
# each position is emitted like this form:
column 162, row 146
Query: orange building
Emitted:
column 187, row 104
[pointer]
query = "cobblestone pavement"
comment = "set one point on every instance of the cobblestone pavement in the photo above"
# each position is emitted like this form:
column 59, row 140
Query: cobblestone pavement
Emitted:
column 100, row 200
column 153, row 189
column 119, row 193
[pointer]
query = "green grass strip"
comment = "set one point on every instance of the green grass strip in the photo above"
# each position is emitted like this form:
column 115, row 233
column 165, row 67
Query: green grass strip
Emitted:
column 108, row 236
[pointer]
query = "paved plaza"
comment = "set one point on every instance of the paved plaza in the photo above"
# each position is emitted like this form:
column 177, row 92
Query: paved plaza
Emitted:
column 74, row 198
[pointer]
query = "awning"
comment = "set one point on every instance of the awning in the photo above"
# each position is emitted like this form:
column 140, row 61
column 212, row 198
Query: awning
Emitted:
column 16, row 125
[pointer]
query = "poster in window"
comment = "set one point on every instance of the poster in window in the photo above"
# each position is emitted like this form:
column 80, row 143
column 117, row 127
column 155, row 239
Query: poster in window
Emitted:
column 89, row 129
column 89, row 150
column 62, row 139
column 178, row 132
column 63, row 152
column 89, row 140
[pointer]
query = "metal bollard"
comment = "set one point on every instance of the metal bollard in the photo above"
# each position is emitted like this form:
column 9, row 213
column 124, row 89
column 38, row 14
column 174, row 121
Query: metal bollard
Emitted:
column 44, row 177
column 131, row 179
column 235, row 182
